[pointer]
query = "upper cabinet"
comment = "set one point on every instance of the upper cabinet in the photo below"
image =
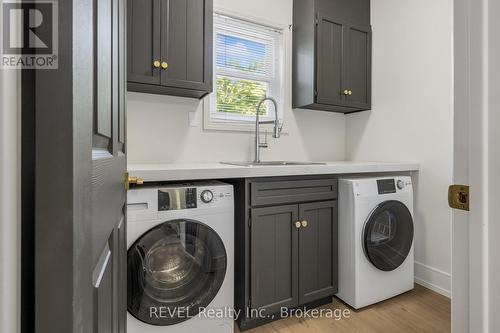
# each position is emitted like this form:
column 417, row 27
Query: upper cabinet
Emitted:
column 332, row 55
column 170, row 47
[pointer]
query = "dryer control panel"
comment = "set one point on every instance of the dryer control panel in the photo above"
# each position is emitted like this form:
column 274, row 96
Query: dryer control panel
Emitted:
column 386, row 186
column 379, row 186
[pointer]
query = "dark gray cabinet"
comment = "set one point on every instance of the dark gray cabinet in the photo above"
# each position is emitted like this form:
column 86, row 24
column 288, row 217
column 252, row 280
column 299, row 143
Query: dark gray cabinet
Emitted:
column 317, row 251
column 332, row 55
column 274, row 253
column 143, row 47
column 286, row 245
column 170, row 47
column 293, row 255
column 358, row 66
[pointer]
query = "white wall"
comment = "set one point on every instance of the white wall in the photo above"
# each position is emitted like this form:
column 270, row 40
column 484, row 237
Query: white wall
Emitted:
column 159, row 131
column 412, row 118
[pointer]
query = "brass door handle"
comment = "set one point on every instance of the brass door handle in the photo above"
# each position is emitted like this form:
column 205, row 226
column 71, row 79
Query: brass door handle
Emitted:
column 135, row 180
column 297, row 224
column 132, row 180
column 304, row 223
column 164, row 65
column 156, row 64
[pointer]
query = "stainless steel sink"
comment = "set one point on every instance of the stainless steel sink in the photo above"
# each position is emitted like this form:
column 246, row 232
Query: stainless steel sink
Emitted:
column 271, row 163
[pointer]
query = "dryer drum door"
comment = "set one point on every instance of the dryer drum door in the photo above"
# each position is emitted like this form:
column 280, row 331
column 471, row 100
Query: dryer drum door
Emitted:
column 174, row 270
column 388, row 235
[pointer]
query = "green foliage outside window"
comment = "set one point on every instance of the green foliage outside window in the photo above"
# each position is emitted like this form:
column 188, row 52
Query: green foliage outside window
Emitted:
column 240, row 96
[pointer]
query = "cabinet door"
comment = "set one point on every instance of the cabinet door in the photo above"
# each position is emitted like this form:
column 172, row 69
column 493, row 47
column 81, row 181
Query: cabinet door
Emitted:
column 330, row 62
column 358, row 64
column 143, row 41
column 273, row 258
column 317, row 251
column 186, row 32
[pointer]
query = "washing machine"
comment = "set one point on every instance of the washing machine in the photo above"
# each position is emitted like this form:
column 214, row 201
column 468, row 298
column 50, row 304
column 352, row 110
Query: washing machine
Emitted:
column 375, row 239
column 180, row 266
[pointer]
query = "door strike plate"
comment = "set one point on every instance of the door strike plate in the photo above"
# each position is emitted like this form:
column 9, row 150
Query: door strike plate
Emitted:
column 458, row 197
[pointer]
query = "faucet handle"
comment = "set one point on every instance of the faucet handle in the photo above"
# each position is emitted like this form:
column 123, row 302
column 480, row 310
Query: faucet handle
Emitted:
column 264, row 144
column 277, row 129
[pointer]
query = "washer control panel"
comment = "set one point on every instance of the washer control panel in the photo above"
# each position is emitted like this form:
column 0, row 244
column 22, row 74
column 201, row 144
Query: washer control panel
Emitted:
column 207, row 196
column 190, row 196
column 177, row 198
column 214, row 195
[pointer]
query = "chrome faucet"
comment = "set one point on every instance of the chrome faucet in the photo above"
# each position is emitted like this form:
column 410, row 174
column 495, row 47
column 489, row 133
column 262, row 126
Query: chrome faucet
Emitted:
column 276, row 130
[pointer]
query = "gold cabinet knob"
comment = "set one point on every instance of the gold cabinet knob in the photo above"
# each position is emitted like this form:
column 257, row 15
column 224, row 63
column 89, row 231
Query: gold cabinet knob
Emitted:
column 304, row 223
column 156, row 64
column 164, row 65
column 350, row 92
column 346, row 92
column 297, row 224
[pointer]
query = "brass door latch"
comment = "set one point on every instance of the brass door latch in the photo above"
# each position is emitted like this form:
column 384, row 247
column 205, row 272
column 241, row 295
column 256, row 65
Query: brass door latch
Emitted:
column 458, row 197
column 132, row 180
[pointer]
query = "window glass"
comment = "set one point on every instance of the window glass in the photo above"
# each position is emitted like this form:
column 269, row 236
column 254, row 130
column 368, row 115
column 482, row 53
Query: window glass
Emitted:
column 248, row 67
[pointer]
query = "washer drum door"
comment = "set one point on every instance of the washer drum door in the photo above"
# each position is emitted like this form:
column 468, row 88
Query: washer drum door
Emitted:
column 388, row 235
column 174, row 269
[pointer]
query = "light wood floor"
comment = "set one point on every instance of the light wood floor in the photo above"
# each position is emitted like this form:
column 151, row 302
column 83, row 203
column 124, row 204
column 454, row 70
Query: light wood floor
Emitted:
column 420, row 310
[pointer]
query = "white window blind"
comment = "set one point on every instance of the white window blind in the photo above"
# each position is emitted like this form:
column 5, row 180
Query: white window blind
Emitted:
column 248, row 61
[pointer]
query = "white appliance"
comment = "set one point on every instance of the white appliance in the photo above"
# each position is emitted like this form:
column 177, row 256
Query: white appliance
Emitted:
column 375, row 239
column 180, row 269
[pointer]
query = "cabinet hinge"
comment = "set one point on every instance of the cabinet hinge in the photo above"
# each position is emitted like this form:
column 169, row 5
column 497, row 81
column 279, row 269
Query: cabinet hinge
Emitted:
column 249, row 221
column 249, row 305
column 316, row 21
column 316, row 93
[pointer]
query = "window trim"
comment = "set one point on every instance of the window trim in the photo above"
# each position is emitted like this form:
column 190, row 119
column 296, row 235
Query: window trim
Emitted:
column 238, row 124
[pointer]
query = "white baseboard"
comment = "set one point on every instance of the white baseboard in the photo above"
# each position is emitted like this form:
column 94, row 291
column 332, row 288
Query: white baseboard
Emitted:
column 433, row 278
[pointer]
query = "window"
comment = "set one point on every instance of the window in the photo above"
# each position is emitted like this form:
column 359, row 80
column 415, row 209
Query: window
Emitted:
column 248, row 61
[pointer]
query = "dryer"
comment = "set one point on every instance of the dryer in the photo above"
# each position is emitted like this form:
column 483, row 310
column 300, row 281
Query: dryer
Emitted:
column 180, row 267
column 375, row 239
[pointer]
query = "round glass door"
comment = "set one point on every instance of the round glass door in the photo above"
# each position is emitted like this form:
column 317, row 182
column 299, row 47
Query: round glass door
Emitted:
column 388, row 235
column 174, row 270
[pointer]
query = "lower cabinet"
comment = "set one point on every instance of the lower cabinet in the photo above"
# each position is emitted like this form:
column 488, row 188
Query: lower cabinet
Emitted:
column 289, row 259
column 274, row 258
column 317, row 251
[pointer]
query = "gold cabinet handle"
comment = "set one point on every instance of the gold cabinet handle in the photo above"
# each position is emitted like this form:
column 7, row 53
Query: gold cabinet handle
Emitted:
column 346, row 92
column 156, row 64
column 297, row 224
column 350, row 92
column 164, row 65
column 304, row 223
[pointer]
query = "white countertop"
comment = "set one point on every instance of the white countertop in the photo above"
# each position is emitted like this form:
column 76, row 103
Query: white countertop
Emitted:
column 195, row 171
